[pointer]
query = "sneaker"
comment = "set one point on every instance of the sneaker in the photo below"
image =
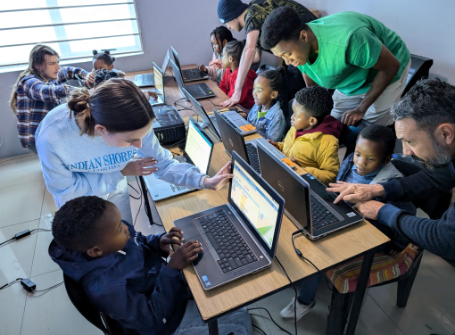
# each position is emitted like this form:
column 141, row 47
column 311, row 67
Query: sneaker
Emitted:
column 287, row 313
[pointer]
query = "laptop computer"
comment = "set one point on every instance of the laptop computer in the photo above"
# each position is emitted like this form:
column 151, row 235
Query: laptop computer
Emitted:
column 188, row 75
column 198, row 151
column 159, row 87
column 308, row 205
column 240, row 237
column 148, row 79
column 198, row 91
column 233, row 141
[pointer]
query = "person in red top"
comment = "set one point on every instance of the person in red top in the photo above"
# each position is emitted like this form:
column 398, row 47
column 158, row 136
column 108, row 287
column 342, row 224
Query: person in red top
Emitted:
column 230, row 61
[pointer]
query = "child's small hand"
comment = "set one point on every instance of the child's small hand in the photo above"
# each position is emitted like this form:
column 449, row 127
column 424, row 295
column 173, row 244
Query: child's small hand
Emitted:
column 275, row 144
column 150, row 94
column 174, row 236
column 203, row 69
column 185, row 255
column 216, row 63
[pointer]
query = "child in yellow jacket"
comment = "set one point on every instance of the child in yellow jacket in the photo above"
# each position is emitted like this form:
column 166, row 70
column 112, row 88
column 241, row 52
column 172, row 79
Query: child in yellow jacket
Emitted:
column 312, row 140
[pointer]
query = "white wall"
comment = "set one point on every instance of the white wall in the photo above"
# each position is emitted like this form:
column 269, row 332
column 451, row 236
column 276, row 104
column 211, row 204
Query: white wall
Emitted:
column 425, row 26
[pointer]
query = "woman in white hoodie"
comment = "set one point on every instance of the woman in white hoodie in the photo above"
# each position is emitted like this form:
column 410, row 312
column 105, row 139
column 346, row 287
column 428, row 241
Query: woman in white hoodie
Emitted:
column 90, row 145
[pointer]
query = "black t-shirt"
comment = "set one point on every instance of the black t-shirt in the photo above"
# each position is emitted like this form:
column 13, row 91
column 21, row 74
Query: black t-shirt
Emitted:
column 258, row 10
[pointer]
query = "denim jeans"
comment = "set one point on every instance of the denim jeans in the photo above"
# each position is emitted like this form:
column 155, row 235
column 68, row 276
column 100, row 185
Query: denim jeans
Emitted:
column 236, row 323
column 308, row 288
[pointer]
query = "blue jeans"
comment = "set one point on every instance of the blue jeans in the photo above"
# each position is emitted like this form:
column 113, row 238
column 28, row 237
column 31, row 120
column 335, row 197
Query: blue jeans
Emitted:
column 237, row 323
column 308, row 288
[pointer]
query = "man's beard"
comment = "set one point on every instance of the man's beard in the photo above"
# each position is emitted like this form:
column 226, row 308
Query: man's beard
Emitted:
column 442, row 156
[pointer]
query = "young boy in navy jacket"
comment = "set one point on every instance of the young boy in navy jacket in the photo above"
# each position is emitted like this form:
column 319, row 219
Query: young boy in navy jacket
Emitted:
column 124, row 274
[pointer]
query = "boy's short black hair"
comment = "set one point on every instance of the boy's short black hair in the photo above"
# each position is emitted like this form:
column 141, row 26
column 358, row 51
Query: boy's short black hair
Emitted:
column 75, row 223
column 282, row 24
column 380, row 134
column 234, row 49
column 316, row 100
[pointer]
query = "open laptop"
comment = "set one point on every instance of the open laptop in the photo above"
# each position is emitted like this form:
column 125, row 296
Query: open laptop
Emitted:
column 308, row 205
column 159, row 87
column 188, row 75
column 198, row 151
column 148, row 79
column 240, row 237
column 233, row 141
column 199, row 91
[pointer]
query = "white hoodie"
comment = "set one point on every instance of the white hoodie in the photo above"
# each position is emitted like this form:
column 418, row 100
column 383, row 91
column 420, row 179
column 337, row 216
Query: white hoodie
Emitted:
column 75, row 165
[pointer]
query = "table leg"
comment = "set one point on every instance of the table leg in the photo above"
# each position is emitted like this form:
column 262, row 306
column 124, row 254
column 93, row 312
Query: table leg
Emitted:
column 213, row 327
column 360, row 291
column 148, row 210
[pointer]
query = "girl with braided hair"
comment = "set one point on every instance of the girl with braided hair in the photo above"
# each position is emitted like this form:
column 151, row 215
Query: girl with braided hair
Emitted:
column 269, row 101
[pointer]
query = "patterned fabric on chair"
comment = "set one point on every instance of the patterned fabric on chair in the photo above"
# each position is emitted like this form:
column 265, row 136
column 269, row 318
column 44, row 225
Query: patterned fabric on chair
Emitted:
column 385, row 267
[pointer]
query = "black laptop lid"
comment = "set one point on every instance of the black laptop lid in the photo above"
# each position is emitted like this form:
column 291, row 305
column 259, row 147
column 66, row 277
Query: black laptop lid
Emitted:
column 288, row 184
column 231, row 139
column 257, row 203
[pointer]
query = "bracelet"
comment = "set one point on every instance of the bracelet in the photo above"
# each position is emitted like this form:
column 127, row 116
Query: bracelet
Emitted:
column 201, row 182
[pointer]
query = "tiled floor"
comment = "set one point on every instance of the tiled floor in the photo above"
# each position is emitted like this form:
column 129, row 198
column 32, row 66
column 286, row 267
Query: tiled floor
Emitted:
column 26, row 204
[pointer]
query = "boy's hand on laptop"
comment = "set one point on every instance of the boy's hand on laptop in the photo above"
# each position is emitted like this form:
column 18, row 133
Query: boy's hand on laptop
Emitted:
column 139, row 167
column 174, row 236
column 185, row 255
column 203, row 69
column 369, row 209
column 355, row 192
column 150, row 94
column 275, row 144
column 220, row 179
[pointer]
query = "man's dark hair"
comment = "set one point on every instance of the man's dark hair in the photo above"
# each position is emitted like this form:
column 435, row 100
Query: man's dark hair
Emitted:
column 282, row 24
column 316, row 100
column 380, row 134
column 222, row 33
column 75, row 223
column 234, row 49
column 430, row 102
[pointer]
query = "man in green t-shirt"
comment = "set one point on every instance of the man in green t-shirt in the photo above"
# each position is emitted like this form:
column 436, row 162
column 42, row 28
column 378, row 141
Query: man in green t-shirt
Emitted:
column 238, row 15
column 363, row 60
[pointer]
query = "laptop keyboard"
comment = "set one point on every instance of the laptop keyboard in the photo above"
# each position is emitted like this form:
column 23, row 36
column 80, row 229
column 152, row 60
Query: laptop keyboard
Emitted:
column 227, row 241
column 320, row 215
column 192, row 74
column 195, row 91
column 253, row 157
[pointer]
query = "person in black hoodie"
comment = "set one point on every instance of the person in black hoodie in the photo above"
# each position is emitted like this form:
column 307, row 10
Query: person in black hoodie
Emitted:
column 124, row 274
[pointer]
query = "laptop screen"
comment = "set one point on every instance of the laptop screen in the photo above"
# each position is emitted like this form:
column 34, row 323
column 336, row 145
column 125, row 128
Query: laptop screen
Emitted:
column 166, row 61
column 256, row 204
column 198, row 147
column 159, row 85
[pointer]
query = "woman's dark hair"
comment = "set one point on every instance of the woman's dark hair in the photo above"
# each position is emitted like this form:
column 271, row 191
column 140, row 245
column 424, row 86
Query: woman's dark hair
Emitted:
column 234, row 49
column 105, row 56
column 74, row 225
column 282, row 24
column 316, row 100
column 380, row 134
column 117, row 104
column 36, row 57
column 277, row 79
column 102, row 75
column 222, row 33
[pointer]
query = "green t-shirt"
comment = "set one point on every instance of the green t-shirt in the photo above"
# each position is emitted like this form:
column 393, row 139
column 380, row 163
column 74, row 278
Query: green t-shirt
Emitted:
column 349, row 46
column 261, row 114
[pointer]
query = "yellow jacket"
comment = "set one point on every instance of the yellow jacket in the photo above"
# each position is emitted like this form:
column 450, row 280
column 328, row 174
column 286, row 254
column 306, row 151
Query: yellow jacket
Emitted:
column 316, row 153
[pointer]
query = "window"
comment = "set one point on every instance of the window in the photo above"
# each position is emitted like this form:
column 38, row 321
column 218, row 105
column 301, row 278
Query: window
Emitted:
column 72, row 27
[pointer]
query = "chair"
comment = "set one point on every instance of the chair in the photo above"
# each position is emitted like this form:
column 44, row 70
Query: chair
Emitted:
column 385, row 270
column 79, row 299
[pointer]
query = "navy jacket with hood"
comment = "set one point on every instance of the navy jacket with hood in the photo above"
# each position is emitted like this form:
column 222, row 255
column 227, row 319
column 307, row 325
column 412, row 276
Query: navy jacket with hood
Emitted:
column 137, row 289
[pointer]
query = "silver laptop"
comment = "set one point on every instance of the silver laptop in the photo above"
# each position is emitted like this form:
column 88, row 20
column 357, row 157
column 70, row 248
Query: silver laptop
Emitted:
column 198, row 152
column 198, row 91
column 308, row 205
column 148, row 79
column 159, row 87
column 240, row 237
column 188, row 75
column 233, row 141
